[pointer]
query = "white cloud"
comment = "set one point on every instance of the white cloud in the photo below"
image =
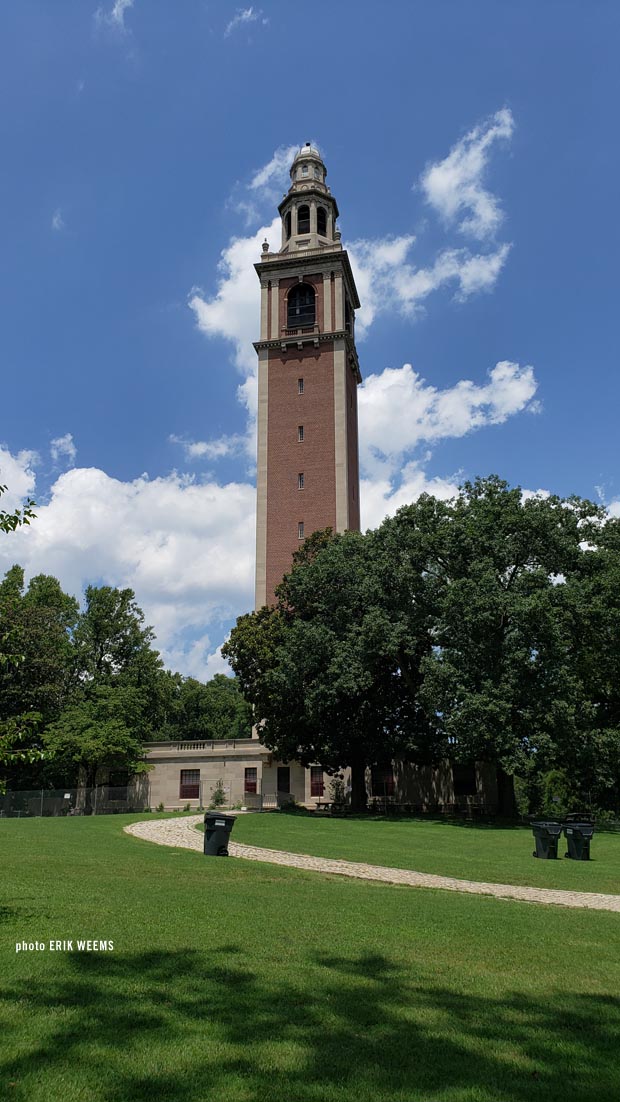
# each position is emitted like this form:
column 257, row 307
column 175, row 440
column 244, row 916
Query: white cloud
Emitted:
column 115, row 17
column 18, row 475
column 63, row 446
column 186, row 548
column 264, row 190
column 275, row 171
column 243, row 17
column 399, row 410
column 386, row 280
column 57, row 220
column 222, row 447
column 380, row 498
column 454, row 186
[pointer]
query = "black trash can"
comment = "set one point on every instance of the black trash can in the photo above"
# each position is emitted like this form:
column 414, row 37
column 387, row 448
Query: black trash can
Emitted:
column 217, row 833
column 578, row 836
column 546, row 836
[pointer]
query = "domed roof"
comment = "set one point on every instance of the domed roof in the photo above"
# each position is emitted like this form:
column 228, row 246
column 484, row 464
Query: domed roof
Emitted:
column 307, row 150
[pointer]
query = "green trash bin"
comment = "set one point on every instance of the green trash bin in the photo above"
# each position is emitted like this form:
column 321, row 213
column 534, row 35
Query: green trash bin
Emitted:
column 578, row 836
column 217, row 833
column 546, row 836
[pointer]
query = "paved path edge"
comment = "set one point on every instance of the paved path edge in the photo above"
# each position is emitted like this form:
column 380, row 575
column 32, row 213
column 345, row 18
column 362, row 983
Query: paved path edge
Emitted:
column 182, row 833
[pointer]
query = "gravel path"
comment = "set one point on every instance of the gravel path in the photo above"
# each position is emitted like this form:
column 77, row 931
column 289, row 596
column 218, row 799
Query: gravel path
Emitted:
column 182, row 833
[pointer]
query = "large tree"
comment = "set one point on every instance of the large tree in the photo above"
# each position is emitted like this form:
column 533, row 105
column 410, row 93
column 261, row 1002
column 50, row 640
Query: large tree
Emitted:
column 102, row 729
column 501, row 678
column 113, row 646
column 39, row 621
column 330, row 671
column 467, row 629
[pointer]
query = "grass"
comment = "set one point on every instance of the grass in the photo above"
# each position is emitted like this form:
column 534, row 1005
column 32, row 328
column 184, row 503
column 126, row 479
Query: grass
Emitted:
column 241, row 982
column 470, row 852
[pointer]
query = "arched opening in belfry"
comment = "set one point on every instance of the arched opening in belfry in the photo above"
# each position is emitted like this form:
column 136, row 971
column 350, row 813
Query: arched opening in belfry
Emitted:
column 301, row 305
column 287, row 225
column 303, row 219
column 321, row 221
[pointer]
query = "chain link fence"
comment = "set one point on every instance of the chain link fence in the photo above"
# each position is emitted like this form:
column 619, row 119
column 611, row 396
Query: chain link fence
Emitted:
column 102, row 800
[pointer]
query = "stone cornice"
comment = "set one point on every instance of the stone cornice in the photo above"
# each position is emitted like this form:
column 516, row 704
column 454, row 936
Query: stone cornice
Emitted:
column 284, row 343
column 317, row 260
column 322, row 193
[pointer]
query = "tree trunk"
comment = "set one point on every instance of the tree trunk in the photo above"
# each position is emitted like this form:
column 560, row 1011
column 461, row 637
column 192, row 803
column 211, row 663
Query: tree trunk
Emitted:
column 506, row 800
column 90, row 784
column 359, row 798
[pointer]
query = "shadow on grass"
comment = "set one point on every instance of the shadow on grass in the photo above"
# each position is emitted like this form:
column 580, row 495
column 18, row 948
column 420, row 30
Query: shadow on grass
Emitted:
column 169, row 1026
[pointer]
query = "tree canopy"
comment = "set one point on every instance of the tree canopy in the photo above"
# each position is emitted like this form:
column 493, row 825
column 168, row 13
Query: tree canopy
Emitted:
column 470, row 629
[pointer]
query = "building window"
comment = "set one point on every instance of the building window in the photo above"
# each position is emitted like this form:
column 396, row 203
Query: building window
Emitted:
column 300, row 433
column 250, row 783
column 303, row 219
column 287, row 226
column 382, row 781
column 300, row 481
column 301, row 307
column 300, row 530
column 317, row 786
column 317, row 173
column 304, row 170
column 464, row 780
column 189, row 788
column 300, row 386
column 321, row 221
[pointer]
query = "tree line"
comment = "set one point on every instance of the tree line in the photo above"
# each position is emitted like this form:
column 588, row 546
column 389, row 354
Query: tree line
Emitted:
column 84, row 687
column 485, row 628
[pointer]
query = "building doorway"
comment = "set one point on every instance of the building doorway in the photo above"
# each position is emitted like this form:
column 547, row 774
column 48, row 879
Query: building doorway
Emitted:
column 284, row 778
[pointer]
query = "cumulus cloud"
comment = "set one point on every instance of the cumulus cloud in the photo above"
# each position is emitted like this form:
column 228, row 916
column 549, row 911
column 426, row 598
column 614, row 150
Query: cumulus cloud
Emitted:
column 17, row 473
column 399, row 410
column 185, row 547
column 63, row 446
column 388, row 281
column 243, row 17
column 233, row 314
column 380, row 497
column 454, row 186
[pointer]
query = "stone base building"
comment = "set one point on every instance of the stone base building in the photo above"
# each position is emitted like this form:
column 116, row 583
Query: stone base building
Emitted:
column 187, row 773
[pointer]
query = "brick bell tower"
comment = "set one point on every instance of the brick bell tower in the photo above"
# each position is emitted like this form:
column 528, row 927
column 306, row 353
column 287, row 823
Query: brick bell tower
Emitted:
column 308, row 372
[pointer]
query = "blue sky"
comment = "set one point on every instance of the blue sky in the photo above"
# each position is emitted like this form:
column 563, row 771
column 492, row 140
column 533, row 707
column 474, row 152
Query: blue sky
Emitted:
column 472, row 150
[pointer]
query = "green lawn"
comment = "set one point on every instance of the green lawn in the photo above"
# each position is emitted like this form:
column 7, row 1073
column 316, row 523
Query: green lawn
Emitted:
column 470, row 852
column 241, row 982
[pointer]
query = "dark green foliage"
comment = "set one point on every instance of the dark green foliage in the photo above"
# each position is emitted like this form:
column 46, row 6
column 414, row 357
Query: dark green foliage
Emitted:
column 484, row 628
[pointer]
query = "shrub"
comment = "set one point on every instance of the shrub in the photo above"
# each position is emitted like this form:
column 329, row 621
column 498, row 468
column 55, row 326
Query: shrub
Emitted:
column 218, row 795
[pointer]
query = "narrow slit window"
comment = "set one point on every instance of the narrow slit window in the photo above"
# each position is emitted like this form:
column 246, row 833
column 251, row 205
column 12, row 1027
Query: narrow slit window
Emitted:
column 300, row 386
column 300, row 433
column 300, row 481
column 300, row 530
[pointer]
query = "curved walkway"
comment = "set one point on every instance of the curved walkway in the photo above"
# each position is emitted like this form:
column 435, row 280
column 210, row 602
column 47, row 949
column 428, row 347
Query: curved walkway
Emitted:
column 182, row 833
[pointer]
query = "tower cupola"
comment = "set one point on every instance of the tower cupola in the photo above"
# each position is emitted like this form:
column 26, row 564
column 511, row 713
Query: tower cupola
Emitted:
column 308, row 211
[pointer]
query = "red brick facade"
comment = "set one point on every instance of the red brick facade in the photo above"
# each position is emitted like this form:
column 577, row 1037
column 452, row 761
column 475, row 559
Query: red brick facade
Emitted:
column 287, row 457
column 307, row 469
